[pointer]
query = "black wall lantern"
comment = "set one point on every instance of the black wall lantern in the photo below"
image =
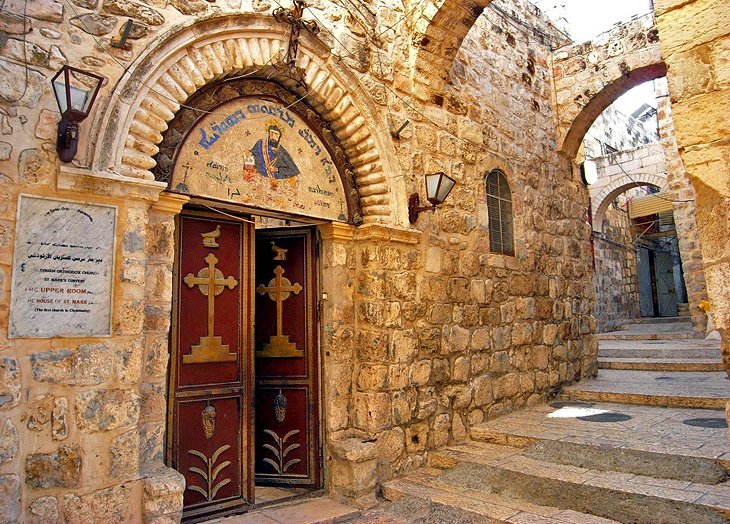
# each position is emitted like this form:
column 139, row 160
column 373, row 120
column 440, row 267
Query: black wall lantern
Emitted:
column 75, row 92
column 438, row 187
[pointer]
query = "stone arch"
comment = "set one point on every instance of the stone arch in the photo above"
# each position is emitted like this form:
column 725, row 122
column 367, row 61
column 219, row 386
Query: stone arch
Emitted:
column 591, row 76
column 439, row 30
column 620, row 185
column 193, row 56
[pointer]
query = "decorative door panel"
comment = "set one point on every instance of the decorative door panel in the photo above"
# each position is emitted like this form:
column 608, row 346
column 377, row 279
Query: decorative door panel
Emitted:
column 287, row 427
column 211, row 366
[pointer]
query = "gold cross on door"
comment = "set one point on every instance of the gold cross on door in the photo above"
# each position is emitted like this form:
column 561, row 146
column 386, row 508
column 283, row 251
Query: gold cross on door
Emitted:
column 279, row 289
column 211, row 283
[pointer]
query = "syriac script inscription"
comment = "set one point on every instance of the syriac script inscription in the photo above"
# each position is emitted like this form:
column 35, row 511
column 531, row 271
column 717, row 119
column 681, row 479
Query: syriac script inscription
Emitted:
column 63, row 268
column 257, row 152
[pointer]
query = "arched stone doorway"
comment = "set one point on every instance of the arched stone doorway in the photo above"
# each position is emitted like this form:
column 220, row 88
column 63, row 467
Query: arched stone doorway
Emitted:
column 259, row 166
column 143, row 112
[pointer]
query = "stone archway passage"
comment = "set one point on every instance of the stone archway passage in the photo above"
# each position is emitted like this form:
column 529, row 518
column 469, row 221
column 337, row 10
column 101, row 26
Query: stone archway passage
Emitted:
column 590, row 76
column 642, row 166
column 198, row 55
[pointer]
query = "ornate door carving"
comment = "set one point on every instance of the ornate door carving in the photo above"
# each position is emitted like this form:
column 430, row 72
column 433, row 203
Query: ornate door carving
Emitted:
column 287, row 421
column 209, row 422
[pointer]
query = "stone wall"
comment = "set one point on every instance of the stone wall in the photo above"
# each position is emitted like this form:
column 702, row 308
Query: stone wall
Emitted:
column 426, row 332
column 683, row 193
column 616, row 273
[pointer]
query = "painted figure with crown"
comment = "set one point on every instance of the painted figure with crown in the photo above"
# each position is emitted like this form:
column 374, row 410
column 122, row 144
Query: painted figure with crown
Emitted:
column 270, row 158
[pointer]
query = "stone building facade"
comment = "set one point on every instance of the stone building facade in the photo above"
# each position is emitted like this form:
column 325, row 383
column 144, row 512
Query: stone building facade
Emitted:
column 424, row 332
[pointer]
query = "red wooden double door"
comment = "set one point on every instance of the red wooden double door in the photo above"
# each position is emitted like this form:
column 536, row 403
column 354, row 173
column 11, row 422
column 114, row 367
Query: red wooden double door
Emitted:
column 243, row 401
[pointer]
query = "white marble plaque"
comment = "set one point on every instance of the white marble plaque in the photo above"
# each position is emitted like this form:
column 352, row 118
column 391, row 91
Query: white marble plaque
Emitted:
column 62, row 269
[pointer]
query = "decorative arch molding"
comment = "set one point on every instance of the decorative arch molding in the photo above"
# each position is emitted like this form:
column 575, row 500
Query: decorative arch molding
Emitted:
column 190, row 57
column 609, row 193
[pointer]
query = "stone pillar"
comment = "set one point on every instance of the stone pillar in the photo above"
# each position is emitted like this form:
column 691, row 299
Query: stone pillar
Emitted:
column 695, row 37
column 163, row 487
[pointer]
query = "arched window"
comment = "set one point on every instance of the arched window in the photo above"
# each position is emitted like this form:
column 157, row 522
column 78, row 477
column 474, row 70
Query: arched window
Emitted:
column 499, row 208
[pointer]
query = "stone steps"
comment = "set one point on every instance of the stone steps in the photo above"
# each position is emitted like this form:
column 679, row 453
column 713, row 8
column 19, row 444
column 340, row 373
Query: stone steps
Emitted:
column 437, row 501
column 703, row 390
column 666, row 324
column 646, row 335
column 623, row 497
column 659, row 353
column 654, row 320
column 661, row 364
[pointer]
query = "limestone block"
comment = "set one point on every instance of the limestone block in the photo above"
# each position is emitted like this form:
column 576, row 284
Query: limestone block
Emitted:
column 480, row 339
column 440, row 434
column 456, row 339
column 163, row 495
column 34, row 165
column 15, row 24
column 8, row 442
column 158, row 354
column 59, row 423
column 48, row 10
column 59, row 469
column 133, row 10
column 506, row 386
column 131, row 318
column 128, row 361
column 125, row 455
column 461, row 369
column 416, row 437
column 458, row 430
column 9, row 499
column 6, row 149
column 440, row 371
column 372, row 411
column 40, row 412
column 372, row 378
column 403, row 404
column 404, row 285
column 420, row 372
column 102, row 410
column 426, row 403
column 404, row 346
column 9, row 383
column 44, row 510
column 398, row 376
column 390, row 444
column 457, row 396
column 95, row 24
column 47, row 126
column 87, row 365
column 151, row 448
column 109, row 505
column 694, row 24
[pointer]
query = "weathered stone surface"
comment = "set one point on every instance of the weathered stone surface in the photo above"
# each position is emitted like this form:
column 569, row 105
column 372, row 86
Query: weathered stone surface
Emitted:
column 372, row 411
column 51, row 470
column 102, row 410
column 9, row 499
column 128, row 361
column 9, row 383
column 133, row 10
column 8, row 442
column 88, row 365
column 59, row 423
column 13, row 87
column 125, row 455
column 95, row 24
column 163, row 495
column 48, row 10
column 106, row 505
column 40, row 412
column 44, row 510
column 190, row 7
column 34, row 165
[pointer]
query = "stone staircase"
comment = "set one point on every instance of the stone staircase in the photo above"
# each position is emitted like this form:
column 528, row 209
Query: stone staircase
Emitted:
column 645, row 442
